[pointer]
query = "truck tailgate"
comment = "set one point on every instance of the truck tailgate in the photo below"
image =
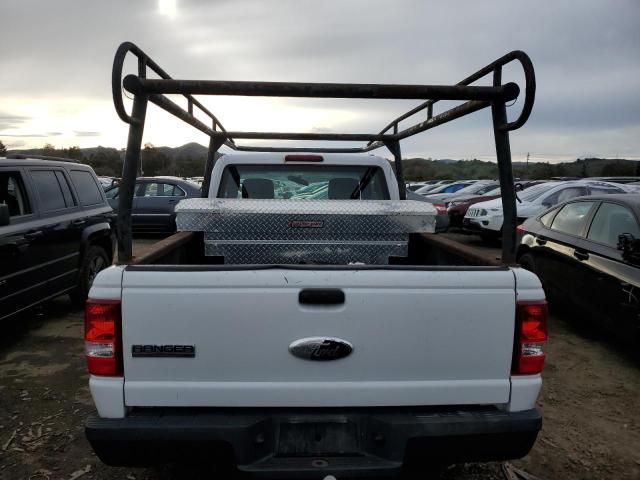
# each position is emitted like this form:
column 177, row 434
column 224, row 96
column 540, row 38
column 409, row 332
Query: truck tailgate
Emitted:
column 419, row 337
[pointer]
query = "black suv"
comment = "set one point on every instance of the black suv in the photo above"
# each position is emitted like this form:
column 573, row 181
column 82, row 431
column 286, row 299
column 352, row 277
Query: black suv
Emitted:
column 56, row 231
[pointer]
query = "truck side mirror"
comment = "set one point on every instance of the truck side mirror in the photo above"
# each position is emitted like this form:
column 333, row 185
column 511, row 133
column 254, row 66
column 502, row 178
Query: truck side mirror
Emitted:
column 5, row 219
column 630, row 248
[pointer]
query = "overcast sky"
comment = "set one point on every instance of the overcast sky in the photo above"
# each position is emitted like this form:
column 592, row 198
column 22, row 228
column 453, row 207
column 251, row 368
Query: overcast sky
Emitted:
column 56, row 61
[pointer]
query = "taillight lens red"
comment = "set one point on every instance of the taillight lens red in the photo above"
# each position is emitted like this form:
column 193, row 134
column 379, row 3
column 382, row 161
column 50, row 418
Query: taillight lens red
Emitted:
column 102, row 337
column 530, row 337
column 520, row 229
column 440, row 207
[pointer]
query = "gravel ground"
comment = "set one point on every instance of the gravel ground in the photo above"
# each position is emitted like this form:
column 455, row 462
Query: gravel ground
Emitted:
column 589, row 402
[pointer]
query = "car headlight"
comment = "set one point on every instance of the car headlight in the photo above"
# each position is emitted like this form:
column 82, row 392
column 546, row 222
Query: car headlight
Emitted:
column 483, row 212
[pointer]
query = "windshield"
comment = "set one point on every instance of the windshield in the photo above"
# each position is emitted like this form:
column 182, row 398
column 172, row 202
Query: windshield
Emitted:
column 112, row 192
column 448, row 188
column 494, row 190
column 303, row 182
column 476, row 189
column 534, row 192
column 427, row 188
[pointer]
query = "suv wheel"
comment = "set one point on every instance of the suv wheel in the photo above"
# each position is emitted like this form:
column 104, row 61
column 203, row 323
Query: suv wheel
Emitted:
column 95, row 260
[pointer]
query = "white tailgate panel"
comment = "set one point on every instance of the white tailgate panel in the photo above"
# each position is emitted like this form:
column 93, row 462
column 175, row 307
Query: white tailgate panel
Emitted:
column 425, row 338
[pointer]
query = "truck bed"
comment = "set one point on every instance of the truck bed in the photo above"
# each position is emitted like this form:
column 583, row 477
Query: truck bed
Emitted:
column 187, row 248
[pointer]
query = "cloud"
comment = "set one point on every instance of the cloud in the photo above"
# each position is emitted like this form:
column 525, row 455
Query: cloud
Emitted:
column 80, row 133
column 9, row 121
column 321, row 130
column 4, row 117
column 24, row 135
column 586, row 61
column 31, row 135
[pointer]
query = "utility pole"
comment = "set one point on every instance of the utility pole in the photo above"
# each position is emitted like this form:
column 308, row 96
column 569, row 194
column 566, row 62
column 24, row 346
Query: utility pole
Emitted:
column 527, row 162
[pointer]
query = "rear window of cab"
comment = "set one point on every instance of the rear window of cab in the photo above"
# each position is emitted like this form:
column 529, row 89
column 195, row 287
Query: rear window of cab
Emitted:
column 304, row 182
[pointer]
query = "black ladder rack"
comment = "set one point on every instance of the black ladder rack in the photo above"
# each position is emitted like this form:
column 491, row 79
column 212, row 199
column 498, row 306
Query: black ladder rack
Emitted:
column 475, row 98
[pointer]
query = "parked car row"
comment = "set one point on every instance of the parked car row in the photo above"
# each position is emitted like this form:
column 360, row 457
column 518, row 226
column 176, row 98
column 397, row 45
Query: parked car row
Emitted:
column 485, row 218
column 457, row 208
column 475, row 205
column 580, row 236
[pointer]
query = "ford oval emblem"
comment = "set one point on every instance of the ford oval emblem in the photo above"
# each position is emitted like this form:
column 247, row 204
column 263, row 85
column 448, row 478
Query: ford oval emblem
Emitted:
column 320, row 348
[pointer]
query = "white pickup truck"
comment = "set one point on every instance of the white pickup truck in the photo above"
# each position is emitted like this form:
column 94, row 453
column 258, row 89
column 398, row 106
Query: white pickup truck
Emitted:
column 311, row 369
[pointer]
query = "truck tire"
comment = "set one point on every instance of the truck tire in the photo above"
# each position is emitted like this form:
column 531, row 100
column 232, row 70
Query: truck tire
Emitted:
column 95, row 259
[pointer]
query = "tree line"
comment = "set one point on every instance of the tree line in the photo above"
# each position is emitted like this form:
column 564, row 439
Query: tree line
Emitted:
column 417, row 169
column 108, row 161
column 189, row 161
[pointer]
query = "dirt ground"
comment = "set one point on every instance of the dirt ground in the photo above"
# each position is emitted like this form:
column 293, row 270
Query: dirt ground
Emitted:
column 590, row 402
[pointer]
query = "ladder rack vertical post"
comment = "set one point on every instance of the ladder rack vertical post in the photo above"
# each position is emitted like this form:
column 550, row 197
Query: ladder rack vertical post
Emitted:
column 505, row 174
column 214, row 145
column 128, row 183
column 394, row 148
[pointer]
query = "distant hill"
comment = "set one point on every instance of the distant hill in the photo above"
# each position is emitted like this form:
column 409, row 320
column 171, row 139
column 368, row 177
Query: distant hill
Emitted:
column 189, row 160
column 445, row 160
column 187, row 151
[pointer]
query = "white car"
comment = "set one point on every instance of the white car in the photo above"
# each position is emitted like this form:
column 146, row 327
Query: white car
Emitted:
column 485, row 218
column 633, row 187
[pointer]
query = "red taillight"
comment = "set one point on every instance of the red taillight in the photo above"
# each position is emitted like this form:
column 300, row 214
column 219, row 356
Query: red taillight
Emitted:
column 520, row 230
column 530, row 337
column 440, row 207
column 102, row 338
column 303, row 158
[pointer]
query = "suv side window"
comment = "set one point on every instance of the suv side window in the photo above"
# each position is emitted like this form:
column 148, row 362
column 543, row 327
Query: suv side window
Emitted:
column 177, row 191
column 87, row 188
column 161, row 190
column 610, row 221
column 49, row 190
column 13, row 194
column 66, row 189
column 572, row 218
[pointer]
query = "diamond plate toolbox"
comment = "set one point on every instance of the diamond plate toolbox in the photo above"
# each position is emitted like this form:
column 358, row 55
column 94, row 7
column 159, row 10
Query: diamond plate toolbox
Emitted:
column 336, row 232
